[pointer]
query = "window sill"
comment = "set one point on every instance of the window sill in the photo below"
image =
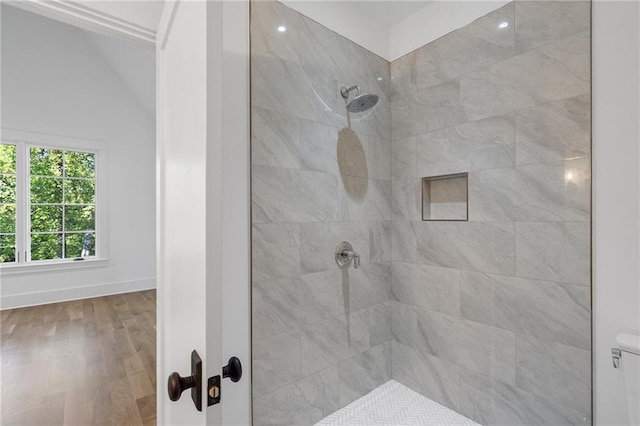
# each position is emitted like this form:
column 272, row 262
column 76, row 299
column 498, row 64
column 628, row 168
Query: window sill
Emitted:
column 51, row 266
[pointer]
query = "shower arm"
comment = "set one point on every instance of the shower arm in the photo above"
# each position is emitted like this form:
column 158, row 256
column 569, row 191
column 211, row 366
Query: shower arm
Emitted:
column 344, row 90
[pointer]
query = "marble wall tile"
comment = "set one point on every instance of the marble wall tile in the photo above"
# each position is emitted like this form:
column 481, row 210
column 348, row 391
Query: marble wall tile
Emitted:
column 274, row 139
column 276, row 362
column 491, row 402
column 562, row 71
column 338, row 338
column 379, row 242
column 429, row 287
column 480, row 43
column 283, row 86
column 470, row 344
column 364, row 372
column 318, row 147
column 366, row 286
column 404, row 241
column 404, row 75
column 375, row 122
column 282, row 195
column 539, row 23
column 477, row 145
column 404, row 323
column 318, row 243
column 378, row 152
column 302, row 403
column 433, row 108
column 266, row 17
column 554, row 251
column 555, row 131
column 475, row 246
column 364, row 199
column 288, row 303
column 379, row 324
column 406, row 200
column 559, row 372
column 542, row 192
column 431, row 376
column 275, row 250
column 403, row 158
column 556, row 312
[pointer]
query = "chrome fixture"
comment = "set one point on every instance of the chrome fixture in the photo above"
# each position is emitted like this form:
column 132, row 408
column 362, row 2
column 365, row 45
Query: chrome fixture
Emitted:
column 360, row 103
column 616, row 354
column 345, row 255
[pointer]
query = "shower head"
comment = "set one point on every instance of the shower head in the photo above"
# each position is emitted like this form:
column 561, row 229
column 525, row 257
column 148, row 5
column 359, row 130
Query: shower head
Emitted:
column 361, row 102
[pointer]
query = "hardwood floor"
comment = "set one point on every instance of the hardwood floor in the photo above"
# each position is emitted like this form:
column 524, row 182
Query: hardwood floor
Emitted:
column 85, row 362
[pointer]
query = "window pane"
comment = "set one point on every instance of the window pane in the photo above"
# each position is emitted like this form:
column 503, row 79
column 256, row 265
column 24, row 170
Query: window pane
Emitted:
column 79, row 164
column 79, row 191
column 46, row 190
column 7, row 248
column 80, row 245
column 7, row 158
column 7, row 219
column 79, row 218
column 46, row 246
column 46, row 162
column 46, row 218
column 7, row 189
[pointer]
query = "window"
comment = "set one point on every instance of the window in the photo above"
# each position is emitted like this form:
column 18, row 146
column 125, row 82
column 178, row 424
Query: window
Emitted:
column 47, row 204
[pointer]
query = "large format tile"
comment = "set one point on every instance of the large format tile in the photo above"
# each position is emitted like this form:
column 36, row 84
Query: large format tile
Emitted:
column 318, row 146
column 491, row 402
column 288, row 303
column 379, row 242
column 556, row 131
column 281, row 195
column 302, row 403
column 318, row 244
column 276, row 362
column 554, row 251
column 541, row 192
column 366, row 286
column 404, row 241
column 275, row 250
column 403, row 158
column 541, row 22
column 477, row 145
column 364, row 199
column 406, row 199
column 467, row 343
column 364, row 372
column 557, row 312
column 266, row 18
column 338, row 338
column 552, row 72
column 427, row 109
column 274, row 139
column 475, row 246
column 431, row 376
column 428, row 287
column 559, row 372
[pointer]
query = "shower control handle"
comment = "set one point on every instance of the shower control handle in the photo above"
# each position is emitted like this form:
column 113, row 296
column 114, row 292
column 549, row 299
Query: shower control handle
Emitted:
column 345, row 255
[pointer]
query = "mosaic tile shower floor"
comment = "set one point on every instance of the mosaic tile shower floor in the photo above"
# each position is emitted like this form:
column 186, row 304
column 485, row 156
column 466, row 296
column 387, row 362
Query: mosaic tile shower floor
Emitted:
column 394, row 404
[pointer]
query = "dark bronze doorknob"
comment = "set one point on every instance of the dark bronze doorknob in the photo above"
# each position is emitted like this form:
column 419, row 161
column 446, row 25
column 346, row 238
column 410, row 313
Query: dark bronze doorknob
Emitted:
column 233, row 369
column 178, row 384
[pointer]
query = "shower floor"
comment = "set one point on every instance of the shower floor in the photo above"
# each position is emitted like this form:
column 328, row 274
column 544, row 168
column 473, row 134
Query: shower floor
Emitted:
column 395, row 404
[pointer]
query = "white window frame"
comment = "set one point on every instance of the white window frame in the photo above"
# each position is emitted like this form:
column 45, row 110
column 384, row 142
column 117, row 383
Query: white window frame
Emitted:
column 23, row 141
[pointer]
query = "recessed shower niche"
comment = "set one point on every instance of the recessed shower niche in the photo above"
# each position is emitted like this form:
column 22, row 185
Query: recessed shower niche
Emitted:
column 445, row 197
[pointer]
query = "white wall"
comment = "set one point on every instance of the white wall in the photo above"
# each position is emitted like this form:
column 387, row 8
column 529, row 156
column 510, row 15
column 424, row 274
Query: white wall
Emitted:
column 55, row 81
column 435, row 20
column 616, row 197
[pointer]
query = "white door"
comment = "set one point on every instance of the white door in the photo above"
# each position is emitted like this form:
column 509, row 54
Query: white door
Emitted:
column 203, row 223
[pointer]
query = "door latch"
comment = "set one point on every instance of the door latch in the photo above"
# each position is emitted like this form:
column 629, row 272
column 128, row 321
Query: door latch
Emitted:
column 213, row 391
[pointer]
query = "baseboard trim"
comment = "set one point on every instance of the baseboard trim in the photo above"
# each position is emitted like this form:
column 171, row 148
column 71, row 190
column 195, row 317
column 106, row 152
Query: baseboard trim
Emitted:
column 75, row 293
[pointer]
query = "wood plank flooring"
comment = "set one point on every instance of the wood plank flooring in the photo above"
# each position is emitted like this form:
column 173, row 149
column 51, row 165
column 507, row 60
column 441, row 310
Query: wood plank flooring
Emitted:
column 85, row 362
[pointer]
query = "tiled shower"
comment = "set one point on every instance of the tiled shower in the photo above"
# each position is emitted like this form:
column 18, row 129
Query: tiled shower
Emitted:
column 487, row 314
